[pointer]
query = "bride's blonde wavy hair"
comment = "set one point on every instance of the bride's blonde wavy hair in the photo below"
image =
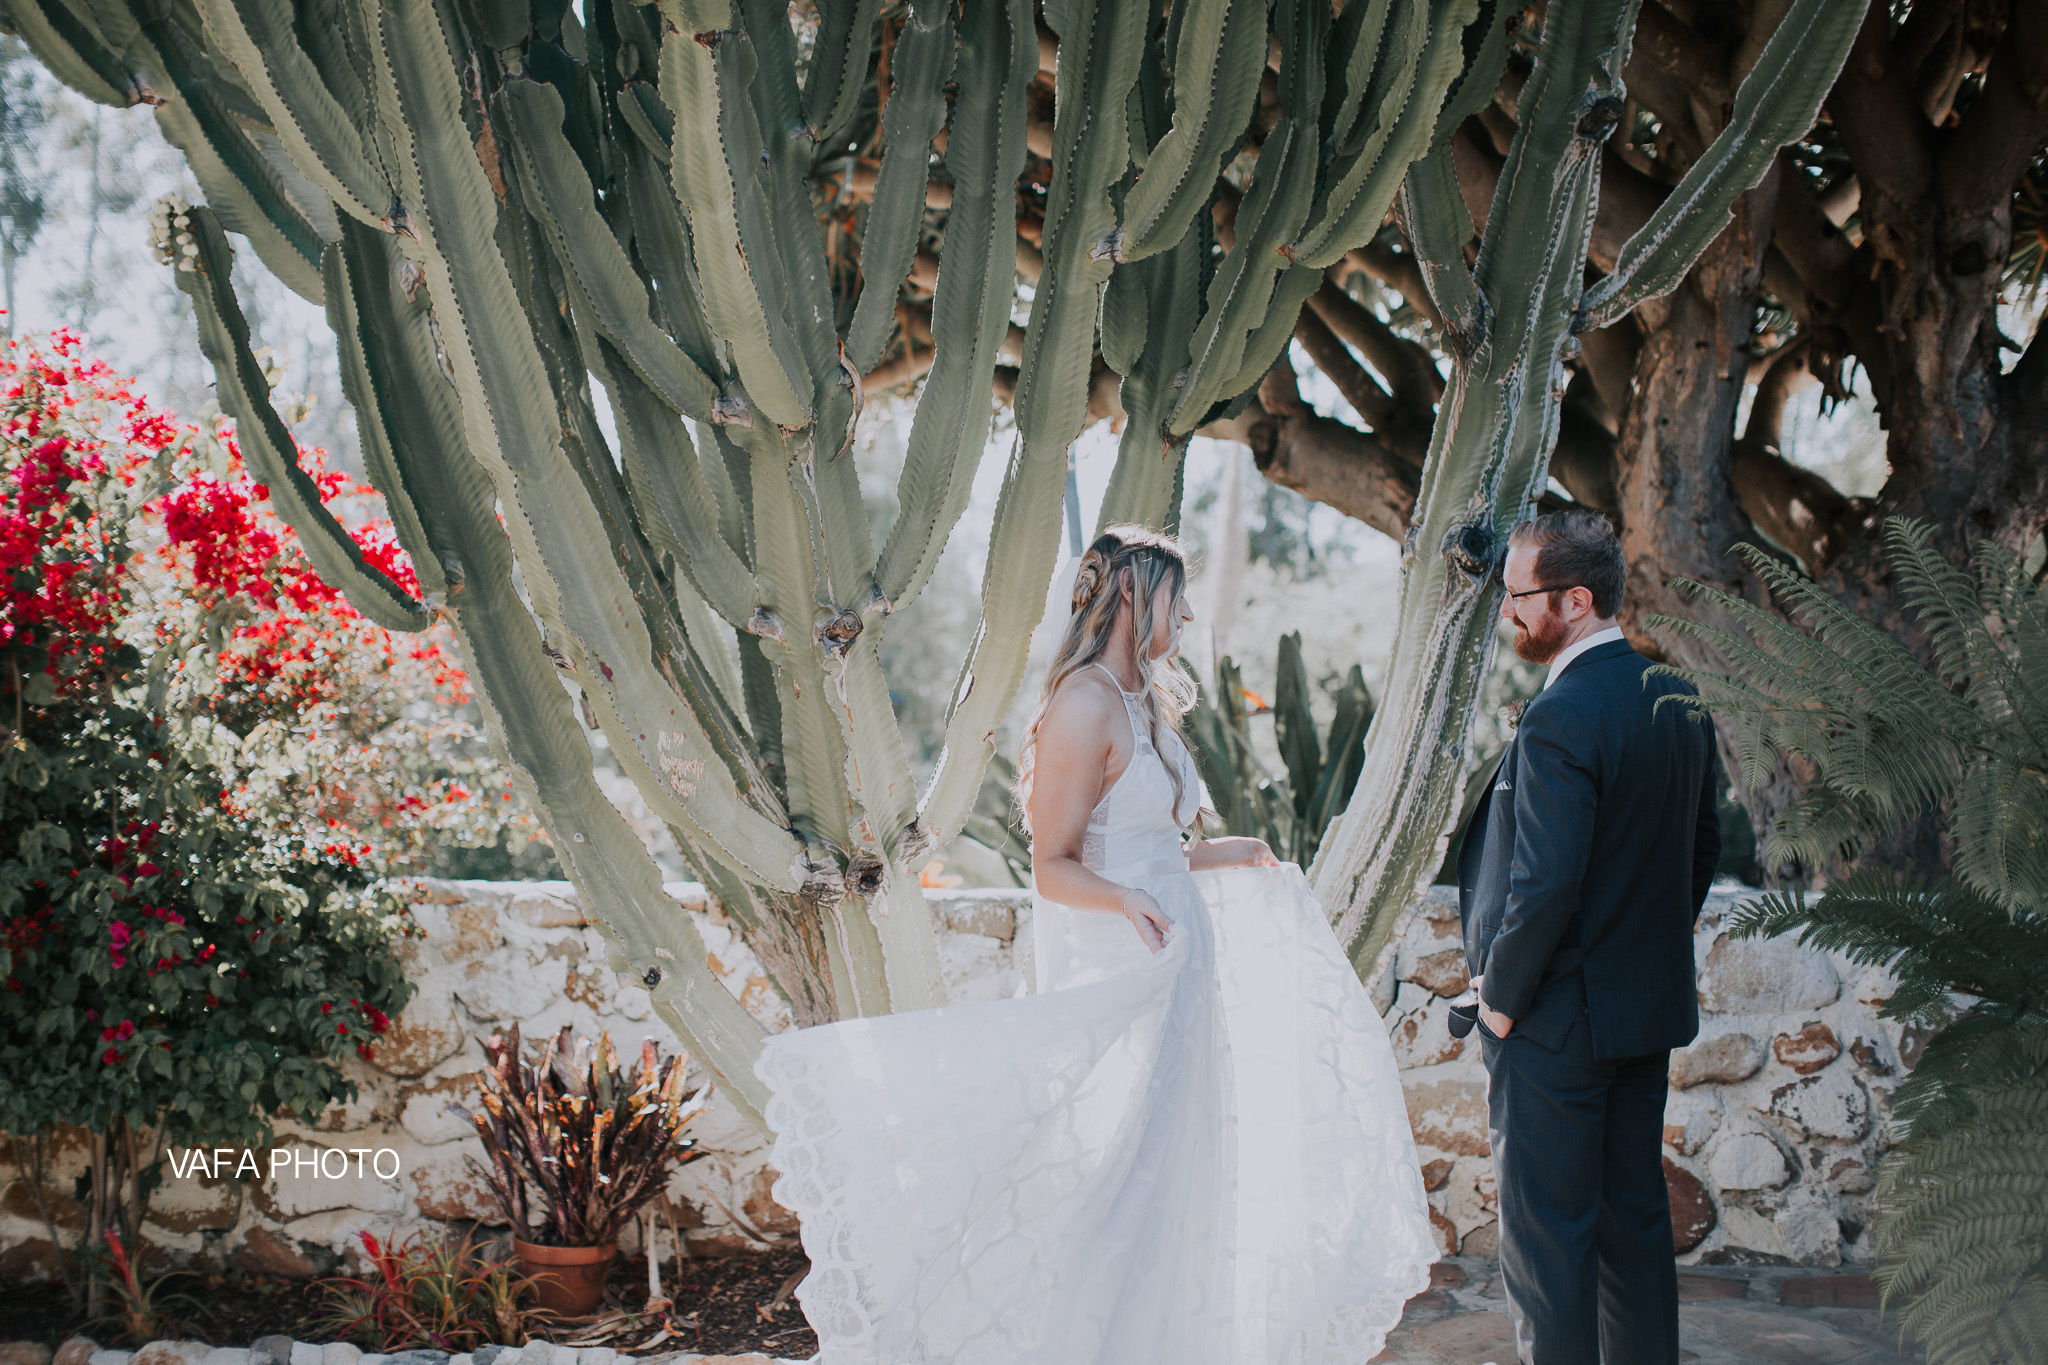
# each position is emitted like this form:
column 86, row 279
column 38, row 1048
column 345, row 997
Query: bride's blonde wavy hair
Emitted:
column 1121, row 556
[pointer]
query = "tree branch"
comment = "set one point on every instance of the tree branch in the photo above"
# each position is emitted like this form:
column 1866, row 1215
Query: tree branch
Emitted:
column 1649, row 86
column 1224, row 212
column 2028, row 379
column 1792, row 505
column 1586, row 458
column 1930, row 40
column 1360, row 390
column 1479, row 168
column 2004, row 126
column 1880, row 123
column 1407, row 365
column 1812, row 245
column 1627, row 199
column 1684, row 57
column 908, row 367
column 1783, row 377
column 1608, row 357
column 1398, row 271
column 1322, row 458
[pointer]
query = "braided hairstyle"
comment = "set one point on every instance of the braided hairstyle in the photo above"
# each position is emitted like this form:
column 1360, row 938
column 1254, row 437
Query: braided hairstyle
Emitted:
column 1122, row 557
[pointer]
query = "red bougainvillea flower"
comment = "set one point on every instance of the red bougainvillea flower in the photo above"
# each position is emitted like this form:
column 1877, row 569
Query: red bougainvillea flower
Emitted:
column 130, row 539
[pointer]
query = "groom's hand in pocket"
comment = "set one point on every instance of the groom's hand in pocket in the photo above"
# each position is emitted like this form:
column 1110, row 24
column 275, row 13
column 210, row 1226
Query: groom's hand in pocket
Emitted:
column 1498, row 1024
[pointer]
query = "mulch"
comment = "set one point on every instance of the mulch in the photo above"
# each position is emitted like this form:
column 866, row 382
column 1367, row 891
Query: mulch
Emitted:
column 721, row 1305
column 727, row 1305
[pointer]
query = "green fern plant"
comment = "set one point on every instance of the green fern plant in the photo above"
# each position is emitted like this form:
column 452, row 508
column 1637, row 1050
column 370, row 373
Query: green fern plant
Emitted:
column 1962, row 1201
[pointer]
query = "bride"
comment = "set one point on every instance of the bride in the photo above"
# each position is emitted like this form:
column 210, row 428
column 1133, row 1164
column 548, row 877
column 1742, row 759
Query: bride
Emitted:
column 1189, row 1147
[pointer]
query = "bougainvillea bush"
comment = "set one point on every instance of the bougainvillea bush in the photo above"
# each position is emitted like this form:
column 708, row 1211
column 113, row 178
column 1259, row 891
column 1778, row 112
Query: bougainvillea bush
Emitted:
column 209, row 767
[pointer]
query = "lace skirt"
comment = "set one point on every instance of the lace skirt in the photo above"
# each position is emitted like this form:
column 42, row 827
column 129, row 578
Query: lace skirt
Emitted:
column 1195, row 1157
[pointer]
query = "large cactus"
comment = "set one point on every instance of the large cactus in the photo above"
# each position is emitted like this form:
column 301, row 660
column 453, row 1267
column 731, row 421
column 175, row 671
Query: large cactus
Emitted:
column 1512, row 321
column 496, row 201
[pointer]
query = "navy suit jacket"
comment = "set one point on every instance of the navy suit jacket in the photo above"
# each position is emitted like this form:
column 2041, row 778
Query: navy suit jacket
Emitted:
column 1589, row 857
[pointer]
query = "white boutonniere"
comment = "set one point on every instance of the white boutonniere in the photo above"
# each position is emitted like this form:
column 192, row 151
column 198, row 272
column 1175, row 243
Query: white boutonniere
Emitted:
column 1511, row 715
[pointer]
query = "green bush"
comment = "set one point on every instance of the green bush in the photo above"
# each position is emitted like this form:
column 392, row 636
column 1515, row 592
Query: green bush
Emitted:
column 1962, row 1202
column 193, row 935
column 1290, row 810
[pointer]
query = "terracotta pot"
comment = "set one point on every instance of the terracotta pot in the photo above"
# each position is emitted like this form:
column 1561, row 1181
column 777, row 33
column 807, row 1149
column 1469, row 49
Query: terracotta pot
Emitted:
column 569, row 1280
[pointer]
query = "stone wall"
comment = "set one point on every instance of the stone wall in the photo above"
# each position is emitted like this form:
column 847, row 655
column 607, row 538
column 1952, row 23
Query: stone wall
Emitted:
column 1777, row 1115
column 1776, row 1120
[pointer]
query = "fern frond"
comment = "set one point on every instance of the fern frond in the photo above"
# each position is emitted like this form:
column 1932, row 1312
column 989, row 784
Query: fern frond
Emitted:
column 1828, row 686
column 1935, row 940
column 1988, row 1049
column 1962, row 1230
column 1962, row 1202
column 2000, row 828
column 1944, row 599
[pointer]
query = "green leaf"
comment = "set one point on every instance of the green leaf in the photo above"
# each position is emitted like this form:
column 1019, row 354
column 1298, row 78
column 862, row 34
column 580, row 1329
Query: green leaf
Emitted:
column 317, row 132
column 1217, row 63
column 970, row 312
column 839, row 63
column 567, row 206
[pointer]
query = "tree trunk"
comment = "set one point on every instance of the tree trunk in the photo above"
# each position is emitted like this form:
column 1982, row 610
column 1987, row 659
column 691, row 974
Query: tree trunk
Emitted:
column 1679, row 508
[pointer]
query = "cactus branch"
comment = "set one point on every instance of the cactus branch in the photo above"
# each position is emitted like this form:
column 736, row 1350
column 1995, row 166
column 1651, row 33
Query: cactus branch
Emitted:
column 267, row 444
column 1775, row 104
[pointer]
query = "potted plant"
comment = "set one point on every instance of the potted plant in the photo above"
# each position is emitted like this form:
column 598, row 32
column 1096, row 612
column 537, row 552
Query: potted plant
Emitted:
column 591, row 1141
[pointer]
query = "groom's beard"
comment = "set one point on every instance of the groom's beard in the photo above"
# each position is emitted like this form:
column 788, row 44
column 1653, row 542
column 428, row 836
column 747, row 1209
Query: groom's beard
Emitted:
column 1541, row 645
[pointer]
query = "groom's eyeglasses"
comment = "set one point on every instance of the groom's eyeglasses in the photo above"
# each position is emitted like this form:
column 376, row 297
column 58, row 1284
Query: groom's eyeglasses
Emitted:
column 1518, row 596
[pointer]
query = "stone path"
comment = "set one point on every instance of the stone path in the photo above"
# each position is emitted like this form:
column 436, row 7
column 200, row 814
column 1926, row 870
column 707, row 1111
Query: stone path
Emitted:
column 1728, row 1315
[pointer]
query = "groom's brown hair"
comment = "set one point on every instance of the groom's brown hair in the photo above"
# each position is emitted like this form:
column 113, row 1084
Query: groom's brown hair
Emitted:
column 1576, row 548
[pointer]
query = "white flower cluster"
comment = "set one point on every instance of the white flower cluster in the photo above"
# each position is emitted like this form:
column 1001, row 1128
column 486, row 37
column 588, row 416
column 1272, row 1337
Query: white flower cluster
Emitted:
column 170, row 233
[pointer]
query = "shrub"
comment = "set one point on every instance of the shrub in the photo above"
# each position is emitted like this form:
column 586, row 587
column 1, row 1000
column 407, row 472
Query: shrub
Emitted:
column 594, row 1141
column 1290, row 810
column 1962, row 1202
column 207, row 759
column 446, row 1296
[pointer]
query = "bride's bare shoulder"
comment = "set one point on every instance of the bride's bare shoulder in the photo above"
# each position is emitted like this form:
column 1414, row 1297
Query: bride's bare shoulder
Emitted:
column 1084, row 706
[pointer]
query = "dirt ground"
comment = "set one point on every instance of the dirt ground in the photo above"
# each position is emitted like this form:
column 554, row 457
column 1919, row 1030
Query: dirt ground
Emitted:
column 721, row 1305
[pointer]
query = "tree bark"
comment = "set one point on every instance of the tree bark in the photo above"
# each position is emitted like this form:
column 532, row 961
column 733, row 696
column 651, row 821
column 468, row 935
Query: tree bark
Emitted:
column 1908, row 293
column 1680, row 511
column 1323, row 458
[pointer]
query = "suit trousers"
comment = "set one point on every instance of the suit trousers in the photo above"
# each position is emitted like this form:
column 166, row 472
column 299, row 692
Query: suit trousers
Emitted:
column 1585, row 1220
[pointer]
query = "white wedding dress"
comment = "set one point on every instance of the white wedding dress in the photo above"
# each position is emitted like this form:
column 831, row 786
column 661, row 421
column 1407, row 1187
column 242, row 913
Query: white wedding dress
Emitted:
column 1198, row 1156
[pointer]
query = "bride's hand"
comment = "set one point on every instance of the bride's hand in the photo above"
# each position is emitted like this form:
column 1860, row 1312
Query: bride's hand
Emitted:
column 1147, row 918
column 1236, row 851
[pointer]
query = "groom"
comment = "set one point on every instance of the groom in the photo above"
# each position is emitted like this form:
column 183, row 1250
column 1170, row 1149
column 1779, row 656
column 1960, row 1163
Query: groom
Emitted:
column 1582, row 872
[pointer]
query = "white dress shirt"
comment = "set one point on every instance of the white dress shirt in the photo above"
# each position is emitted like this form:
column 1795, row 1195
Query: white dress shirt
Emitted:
column 1578, row 647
